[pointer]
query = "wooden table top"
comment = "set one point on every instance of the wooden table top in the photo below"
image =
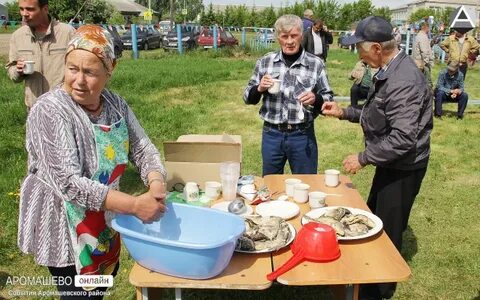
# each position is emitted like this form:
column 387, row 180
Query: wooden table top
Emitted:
column 374, row 259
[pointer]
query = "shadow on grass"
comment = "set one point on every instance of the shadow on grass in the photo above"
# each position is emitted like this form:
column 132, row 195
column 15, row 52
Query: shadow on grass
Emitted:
column 3, row 280
column 409, row 246
column 276, row 291
column 478, row 296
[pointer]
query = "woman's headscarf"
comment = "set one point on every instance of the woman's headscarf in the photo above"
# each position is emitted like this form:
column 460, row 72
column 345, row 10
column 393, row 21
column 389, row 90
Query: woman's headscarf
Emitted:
column 96, row 40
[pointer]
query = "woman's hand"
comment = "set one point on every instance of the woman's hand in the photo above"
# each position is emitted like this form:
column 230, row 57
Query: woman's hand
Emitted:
column 332, row 109
column 158, row 190
column 148, row 209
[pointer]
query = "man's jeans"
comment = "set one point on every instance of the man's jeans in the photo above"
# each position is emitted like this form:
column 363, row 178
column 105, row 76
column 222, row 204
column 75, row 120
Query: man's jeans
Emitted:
column 441, row 97
column 299, row 147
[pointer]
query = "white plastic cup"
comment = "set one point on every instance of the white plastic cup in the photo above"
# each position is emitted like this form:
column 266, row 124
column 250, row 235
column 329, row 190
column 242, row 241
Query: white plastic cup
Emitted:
column 289, row 183
column 275, row 88
column 213, row 189
column 191, row 192
column 300, row 192
column 332, row 177
column 28, row 67
column 316, row 199
column 229, row 187
column 229, row 174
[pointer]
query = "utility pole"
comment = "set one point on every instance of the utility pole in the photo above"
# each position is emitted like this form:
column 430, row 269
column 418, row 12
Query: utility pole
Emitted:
column 171, row 13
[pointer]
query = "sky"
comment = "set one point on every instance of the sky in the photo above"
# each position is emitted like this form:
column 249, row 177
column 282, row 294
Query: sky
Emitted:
column 278, row 3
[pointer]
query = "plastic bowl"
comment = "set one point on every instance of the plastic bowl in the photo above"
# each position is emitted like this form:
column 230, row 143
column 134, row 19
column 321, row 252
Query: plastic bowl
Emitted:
column 188, row 241
column 319, row 242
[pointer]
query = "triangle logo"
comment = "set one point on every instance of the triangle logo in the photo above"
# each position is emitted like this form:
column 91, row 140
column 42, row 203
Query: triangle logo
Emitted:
column 460, row 19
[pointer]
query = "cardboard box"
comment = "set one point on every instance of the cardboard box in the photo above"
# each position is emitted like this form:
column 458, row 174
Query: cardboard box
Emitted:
column 198, row 157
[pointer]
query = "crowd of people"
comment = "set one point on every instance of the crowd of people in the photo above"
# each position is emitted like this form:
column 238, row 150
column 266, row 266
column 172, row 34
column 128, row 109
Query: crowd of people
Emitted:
column 80, row 136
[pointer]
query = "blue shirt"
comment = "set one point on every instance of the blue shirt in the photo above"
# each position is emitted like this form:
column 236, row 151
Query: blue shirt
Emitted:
column 447, row 82
column 307, row 23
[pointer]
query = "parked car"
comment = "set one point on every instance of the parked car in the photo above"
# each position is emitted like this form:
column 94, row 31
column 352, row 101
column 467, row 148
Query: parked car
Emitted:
column 147, row 38
column 225, row 38
column 341, row 36
column 117, row 41
column 269, row 37
column 189, row 38
column 164, row 27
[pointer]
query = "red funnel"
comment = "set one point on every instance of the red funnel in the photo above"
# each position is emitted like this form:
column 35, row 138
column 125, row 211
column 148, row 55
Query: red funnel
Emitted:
column 315, row 242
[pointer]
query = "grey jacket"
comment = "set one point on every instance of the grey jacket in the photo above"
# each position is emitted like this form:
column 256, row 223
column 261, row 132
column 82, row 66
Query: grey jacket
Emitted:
column 396, row 118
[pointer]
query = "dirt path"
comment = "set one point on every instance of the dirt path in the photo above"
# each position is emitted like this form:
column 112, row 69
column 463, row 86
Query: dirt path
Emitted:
column 4, row 43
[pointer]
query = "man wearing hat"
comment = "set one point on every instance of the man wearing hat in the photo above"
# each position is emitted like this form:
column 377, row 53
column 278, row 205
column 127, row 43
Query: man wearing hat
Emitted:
column 397, row 121
column 450, row 88
column 459, row 46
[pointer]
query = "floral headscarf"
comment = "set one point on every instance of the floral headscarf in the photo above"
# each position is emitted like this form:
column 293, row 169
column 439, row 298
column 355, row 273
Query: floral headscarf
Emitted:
column 97, row 40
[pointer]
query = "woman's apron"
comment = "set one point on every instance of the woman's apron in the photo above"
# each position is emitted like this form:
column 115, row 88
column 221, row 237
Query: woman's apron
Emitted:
column 96, row 245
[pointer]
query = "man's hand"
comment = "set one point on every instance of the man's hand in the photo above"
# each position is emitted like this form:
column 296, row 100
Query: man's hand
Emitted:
column 351, row 164
column 307, row 98
column 20, row 66
column 265, row 83
column 332, row 109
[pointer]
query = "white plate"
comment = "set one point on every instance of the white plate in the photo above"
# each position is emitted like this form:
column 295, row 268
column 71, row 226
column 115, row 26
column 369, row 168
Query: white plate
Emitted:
column 223, row 206
column 283, row 209
column 315, row 213
column 293, row 233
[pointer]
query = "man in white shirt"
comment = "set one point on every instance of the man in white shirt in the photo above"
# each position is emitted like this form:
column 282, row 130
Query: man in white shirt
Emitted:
column 316, row 40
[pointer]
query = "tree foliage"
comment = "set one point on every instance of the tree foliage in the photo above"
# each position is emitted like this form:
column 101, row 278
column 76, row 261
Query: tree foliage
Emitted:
column 421, row 14
column 383, row 12
column 93, row 11
column 13, row 11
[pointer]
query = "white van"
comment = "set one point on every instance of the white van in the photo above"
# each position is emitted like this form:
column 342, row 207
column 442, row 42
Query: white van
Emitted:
column 164, row 27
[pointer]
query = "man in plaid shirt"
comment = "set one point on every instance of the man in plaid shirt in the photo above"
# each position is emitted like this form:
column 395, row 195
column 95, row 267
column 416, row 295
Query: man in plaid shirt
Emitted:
column 288, row 112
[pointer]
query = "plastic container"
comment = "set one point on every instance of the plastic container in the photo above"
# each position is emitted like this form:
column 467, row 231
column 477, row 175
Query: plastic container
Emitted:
column 188, row 241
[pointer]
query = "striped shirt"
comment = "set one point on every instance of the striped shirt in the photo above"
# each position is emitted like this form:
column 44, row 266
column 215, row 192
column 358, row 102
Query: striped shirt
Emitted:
column 306, row 74
column 61, row 160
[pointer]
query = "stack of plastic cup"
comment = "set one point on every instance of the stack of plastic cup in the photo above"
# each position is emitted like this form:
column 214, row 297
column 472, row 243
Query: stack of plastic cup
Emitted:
column 229, row 174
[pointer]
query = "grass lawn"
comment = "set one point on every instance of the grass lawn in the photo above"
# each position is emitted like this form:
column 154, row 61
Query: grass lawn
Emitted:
column 201, row 92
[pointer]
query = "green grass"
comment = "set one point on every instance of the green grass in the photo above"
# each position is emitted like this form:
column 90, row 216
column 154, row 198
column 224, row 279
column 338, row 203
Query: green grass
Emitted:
column 201, row 92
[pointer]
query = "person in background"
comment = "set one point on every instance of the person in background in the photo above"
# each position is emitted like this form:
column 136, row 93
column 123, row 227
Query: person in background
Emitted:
column 362, row 75
column 316, row 40
column 398, row 36
column 307, row 19
column 450, row 88
column 289, row 111
column 396, row 120
column 43, row 41
column 422, row 52
column 80, row 137
column 459, row 46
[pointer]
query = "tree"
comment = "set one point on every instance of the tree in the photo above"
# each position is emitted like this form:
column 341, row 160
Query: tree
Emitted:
column 13, row 11
column 96, row 11
column 383, row 12
column 327, row 10
column 421, row 14
column 345, row 17
column 362, row 9
column 268, row 17
column 116, row 19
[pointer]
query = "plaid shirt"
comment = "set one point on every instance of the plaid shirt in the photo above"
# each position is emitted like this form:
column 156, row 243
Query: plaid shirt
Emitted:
column 446, row 83
column 306, row 74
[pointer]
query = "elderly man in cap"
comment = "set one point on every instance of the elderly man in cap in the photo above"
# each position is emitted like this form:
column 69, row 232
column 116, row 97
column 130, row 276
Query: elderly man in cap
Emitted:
column 397, row 122
column 450, row 88
column 293, row 85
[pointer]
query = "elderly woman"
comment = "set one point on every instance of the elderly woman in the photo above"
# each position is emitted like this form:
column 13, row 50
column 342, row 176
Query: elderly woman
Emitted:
column 80, row 137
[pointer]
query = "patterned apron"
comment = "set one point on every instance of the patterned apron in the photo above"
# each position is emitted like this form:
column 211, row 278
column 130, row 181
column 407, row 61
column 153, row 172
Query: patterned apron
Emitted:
column 96, row 245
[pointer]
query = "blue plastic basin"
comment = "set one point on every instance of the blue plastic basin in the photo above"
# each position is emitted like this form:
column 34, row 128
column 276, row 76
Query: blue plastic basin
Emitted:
column 188, row 241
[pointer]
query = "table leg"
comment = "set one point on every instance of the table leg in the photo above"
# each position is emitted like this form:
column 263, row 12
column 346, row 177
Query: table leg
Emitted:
column 148, row 293
column 178, row 294
column 352, row 291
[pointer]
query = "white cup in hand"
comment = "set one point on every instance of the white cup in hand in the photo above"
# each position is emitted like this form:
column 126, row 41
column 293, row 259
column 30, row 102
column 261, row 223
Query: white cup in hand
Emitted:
column 28, row 67
column 275, row 88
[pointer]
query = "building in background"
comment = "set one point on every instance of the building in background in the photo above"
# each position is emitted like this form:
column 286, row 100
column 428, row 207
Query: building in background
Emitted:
column 400, row 14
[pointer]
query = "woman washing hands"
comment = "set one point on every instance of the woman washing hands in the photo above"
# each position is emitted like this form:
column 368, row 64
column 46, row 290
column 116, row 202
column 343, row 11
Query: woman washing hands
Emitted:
column 80, row 137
